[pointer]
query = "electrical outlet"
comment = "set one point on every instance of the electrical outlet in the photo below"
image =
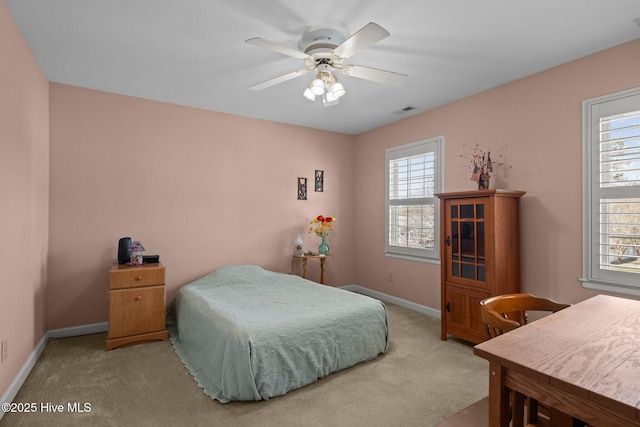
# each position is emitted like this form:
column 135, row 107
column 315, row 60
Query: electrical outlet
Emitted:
column 4, row 351
column 390, row 276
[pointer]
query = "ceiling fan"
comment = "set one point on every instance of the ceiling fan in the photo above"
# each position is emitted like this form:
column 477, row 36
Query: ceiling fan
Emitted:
column 325, row 50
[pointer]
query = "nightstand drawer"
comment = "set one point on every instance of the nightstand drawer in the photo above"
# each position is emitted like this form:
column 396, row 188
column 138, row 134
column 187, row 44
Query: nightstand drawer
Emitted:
column 134, row 277
column 136, row 311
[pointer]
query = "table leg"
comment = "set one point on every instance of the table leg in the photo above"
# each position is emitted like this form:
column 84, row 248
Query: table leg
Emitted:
column 498, row 397
column 517, row 409
column 322, row 260
column 304, row 268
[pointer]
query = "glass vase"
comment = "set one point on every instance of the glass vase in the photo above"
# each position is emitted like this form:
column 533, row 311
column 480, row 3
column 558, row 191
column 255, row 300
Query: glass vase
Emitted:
column 323, row 249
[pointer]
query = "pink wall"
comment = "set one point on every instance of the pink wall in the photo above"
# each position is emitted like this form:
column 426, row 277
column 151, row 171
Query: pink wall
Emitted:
column 24, row 212
column 199, row 188
column 538, row 121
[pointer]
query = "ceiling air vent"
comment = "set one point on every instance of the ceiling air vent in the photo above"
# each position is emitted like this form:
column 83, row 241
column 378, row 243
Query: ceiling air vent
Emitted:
column 404, row 110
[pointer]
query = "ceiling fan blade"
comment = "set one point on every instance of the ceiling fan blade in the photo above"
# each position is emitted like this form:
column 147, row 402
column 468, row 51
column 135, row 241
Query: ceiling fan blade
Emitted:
column 266, row 44
column 280, row 79
column 363, row 38
column 373, row 74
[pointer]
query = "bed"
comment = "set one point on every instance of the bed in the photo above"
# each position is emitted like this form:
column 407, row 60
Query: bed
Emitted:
column 246, row 333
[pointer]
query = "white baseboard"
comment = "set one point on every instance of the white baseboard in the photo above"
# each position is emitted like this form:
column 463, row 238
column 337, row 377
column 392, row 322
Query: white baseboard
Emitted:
column 12, row 391
column 395, row 300
column 94, row 328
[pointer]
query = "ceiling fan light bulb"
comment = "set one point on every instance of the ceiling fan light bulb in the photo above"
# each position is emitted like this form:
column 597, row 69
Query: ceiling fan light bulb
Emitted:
column 309, row 95
column 317, row 87
column 330, row 97
column 337, row 90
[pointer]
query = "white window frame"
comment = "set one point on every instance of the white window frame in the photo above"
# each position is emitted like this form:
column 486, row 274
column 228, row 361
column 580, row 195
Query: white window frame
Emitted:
column 432, row 145
column 595, row 278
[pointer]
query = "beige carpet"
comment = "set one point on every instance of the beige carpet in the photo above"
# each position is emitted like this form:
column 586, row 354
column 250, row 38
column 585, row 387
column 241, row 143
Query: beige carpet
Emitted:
column 420, row 381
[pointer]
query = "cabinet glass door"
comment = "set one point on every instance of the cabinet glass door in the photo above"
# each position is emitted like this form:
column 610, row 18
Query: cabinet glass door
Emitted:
column 467, row 239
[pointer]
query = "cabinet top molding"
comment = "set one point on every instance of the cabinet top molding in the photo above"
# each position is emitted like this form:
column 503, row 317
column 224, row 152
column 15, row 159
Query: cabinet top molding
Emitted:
column 482, row 193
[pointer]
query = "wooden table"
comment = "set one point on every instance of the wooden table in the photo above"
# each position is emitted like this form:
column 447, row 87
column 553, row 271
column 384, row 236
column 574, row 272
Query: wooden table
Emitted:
column 304, row 259
column 583, row 361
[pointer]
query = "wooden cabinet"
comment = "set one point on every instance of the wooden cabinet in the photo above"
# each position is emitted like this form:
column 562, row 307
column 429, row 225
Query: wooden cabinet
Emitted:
column 136, row 304
column 480, row 256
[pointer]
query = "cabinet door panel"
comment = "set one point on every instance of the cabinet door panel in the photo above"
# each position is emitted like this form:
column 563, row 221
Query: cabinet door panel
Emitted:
column 463, row 317
column 456, row 308
column 465, row 234
column 476, row 326
column 136, row 311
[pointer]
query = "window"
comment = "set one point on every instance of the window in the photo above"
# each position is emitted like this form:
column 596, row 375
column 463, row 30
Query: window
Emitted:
column 414, row 175
column 611, row 182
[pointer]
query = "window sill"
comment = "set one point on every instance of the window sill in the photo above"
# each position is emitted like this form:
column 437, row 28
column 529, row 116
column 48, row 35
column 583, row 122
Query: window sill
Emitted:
column 612, row 288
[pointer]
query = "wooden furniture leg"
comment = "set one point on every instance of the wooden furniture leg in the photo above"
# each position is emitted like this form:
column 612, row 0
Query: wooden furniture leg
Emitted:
column 499, row 411
column 322, row 260
column 532, row 417
column 517, row 409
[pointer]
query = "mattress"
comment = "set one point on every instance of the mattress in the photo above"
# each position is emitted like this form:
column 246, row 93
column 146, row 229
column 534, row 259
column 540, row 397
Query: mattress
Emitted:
column 246, row 333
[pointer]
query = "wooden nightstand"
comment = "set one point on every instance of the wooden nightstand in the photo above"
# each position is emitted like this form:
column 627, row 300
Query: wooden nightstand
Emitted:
column 304, row 259
column 136, row 304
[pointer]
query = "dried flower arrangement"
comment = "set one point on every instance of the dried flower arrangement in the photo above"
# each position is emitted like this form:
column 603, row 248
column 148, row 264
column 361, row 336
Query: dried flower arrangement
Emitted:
column 481, row 164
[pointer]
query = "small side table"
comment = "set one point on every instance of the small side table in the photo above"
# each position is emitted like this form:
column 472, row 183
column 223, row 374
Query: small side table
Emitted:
column 137, row 304
column 304, row 258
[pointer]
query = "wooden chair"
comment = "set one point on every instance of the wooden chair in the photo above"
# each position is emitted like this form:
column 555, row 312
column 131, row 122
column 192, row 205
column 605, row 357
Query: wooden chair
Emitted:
column 503, row 313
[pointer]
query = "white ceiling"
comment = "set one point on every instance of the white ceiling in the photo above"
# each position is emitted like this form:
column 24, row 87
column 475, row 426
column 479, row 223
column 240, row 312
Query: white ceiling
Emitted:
column 192, row 52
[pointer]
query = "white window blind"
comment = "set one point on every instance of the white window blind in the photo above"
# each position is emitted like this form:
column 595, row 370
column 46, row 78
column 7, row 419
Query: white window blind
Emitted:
column 612, row 193
column 413, row 178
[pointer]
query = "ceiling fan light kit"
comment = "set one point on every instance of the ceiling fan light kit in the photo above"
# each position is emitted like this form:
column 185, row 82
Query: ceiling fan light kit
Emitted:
column 325, row 84
column 325, row 50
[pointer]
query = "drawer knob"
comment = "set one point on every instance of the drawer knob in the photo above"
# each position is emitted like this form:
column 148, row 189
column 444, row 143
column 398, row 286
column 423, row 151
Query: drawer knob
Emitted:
column 139, row 297
column 139, row 278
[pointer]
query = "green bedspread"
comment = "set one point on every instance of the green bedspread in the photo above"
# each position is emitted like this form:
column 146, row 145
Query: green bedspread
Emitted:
column 246, row 333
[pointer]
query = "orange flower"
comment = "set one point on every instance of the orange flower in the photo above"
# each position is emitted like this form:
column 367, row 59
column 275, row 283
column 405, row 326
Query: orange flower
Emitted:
column 322, row 225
